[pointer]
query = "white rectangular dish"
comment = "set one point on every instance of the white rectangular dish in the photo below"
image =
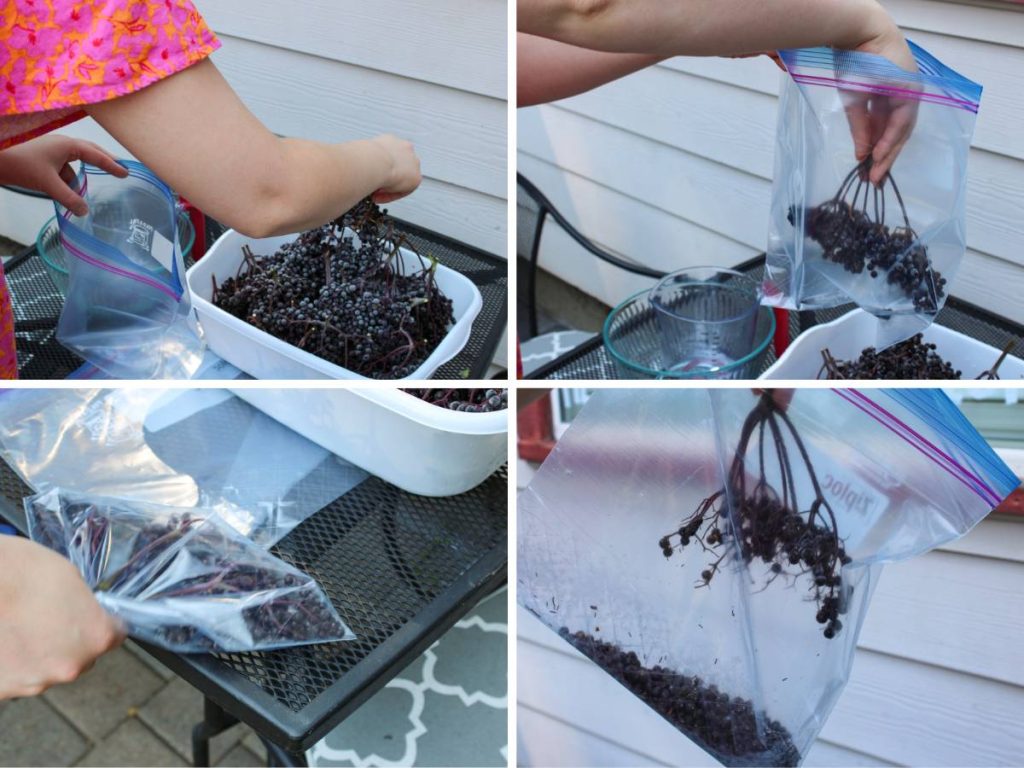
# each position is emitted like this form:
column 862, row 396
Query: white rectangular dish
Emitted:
column 265, row 357
column 419, row 447
column 847, row 336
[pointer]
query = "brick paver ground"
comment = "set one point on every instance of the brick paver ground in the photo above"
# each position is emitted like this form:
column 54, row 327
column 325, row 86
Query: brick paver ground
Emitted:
column 127, row 710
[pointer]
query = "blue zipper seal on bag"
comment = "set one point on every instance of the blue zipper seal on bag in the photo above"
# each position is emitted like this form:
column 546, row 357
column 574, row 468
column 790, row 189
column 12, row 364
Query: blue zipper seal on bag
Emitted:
column 938, row 412
column 858, row 71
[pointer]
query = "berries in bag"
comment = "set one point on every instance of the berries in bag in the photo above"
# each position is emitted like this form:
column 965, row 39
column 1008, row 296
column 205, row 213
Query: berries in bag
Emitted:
column 183, row 579
column 716, row 551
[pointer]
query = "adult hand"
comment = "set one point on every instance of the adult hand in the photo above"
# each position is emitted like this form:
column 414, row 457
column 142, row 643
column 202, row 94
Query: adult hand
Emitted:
column 882, row 124
column 51, row 627
column 780, row 397
column 44, row 165
column 405, row 169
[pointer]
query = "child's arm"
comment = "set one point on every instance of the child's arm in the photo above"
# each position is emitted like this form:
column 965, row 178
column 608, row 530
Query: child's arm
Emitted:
column 548, row 70
column 198, row 136
column 734, row 27
column 43, row 165
column 713, row 27
column 51, row 627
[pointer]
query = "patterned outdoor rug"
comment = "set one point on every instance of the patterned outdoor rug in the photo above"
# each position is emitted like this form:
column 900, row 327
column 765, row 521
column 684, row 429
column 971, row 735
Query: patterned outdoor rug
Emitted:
column 448, row 708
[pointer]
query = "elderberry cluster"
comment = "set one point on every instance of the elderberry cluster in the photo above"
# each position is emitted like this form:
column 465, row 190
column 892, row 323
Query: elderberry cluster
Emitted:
column 856, row 240
column 769, row 525
column 912, row 359
column 296, row 615
column 724, row 725
column 776, row 534
column 341, row 293
column 281, row 607
column 468, row 400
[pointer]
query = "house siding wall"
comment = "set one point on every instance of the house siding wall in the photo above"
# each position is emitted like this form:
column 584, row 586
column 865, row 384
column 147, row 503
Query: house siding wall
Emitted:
column 673, row 165
column 336, row 72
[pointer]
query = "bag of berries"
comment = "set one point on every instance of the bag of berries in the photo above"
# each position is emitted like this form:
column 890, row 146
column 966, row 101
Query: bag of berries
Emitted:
column 843, row 229
column 716, row 551
column 183, row 579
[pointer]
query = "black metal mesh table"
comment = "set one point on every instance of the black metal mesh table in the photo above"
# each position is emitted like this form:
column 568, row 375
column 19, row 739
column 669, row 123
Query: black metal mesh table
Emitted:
column 590, row 360
column 37, row 307
column 401, row 570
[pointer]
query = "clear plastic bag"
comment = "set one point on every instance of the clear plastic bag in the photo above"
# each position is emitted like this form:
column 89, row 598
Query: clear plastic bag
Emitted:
column 127, row 310
column 833, row 237
column 186, row 448
column 181, row 578
column 659, row 546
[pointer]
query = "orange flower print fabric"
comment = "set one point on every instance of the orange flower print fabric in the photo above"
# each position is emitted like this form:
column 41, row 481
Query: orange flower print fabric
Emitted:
column 8, row 360
column 58, row 55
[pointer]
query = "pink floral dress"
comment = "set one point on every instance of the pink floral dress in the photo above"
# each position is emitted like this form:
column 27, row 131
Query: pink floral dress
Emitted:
column 8, row 359
column 56, row 56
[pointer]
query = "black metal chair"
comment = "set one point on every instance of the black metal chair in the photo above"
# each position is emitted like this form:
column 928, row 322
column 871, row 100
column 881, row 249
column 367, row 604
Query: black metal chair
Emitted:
column 533, row 204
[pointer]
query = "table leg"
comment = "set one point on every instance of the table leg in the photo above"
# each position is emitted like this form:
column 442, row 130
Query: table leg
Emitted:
column 215, row 721
column 281, row 758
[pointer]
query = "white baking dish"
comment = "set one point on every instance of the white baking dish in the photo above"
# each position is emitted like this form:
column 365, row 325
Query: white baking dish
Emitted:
column 265, row 357
column 419, row 447
column 847, row 336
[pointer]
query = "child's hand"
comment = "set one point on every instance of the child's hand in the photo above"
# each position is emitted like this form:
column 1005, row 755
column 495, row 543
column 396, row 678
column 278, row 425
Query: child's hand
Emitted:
column 881, row 124
column 44, row 165
column 51, row 627
column 405, row 169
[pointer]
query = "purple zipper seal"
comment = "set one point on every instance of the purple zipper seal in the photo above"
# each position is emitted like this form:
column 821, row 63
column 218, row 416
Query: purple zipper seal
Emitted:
column 117, row 270
column 932, row 98
column 921, row 443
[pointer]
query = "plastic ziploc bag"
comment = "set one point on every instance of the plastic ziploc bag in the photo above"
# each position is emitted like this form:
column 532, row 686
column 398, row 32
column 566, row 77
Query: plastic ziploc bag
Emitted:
column 716, row 555
column 835, row 238
column 183, row 579
column 186, row 448
column 127, row 310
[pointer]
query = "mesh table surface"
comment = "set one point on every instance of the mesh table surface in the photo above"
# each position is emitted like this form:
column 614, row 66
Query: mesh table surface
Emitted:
column 591, row 361
column 401, row 569
column 37, row 307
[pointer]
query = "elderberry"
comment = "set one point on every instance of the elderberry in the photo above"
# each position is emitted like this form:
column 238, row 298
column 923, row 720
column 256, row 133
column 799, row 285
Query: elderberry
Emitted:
column 341, row 292
column 281, row 607
column 912, row 359
column 854, row 235
column 468, row 400
column 771, row 525
column 727, row 726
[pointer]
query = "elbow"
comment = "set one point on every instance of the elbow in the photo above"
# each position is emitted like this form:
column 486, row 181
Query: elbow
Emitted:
column 263, row 213
column 586, row 23
column 268, row 202
column 258, row 224
column 588, row 9
column 582, row 14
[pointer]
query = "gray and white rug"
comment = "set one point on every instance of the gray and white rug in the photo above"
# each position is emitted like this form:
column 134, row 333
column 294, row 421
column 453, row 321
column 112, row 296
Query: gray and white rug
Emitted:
column 448, row 708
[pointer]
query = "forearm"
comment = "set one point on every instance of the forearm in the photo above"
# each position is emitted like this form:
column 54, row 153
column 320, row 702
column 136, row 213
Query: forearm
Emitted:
column 548, row 70
column 322, row 181
column 197, row 135
column 703, row 27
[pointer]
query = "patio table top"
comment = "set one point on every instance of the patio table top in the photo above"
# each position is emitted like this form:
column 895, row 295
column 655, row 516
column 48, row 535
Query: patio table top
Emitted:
column 38, row 303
